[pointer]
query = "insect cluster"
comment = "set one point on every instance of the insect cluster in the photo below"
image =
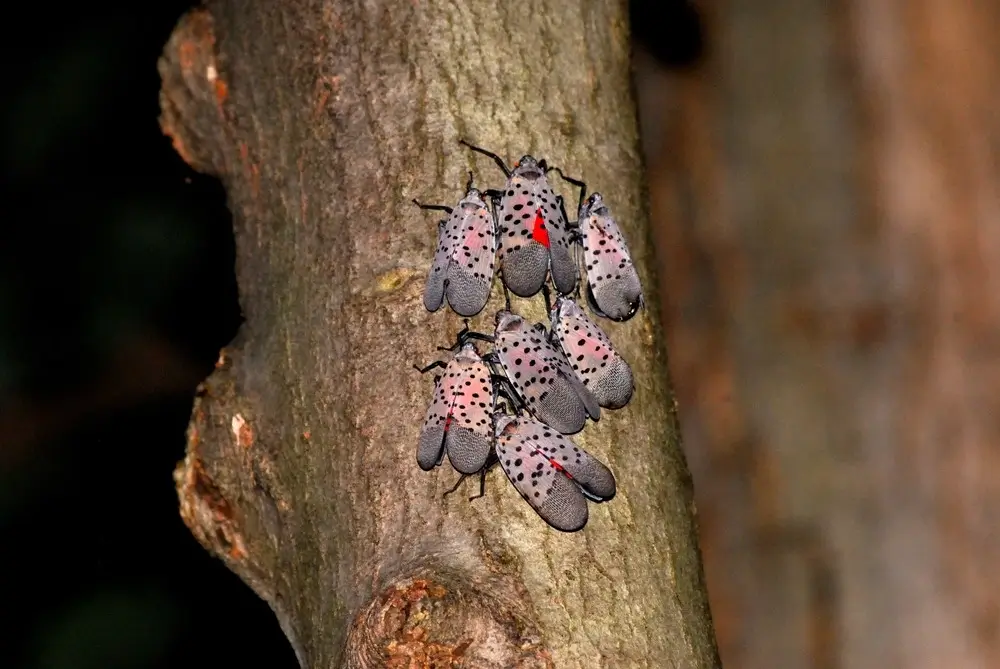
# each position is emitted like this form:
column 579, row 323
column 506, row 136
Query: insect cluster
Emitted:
column 518, row 403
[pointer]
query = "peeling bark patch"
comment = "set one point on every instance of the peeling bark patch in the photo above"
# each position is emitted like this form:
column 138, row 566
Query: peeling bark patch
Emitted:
column 420, row 622
column 242, row 431
column 221, row 89
column 206, row 512
column 406, row 608
column 192, row 91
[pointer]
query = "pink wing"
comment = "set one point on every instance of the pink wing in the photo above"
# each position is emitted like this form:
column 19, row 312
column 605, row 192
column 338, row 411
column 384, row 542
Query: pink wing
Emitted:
column 614, row 288
column 545, row 380
column 550, row 472
column 591, row 354
column 471, row 259
column 458, row 419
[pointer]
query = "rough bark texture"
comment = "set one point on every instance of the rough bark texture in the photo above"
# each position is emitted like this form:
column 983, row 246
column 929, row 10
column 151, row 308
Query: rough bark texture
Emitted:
column 831, row 228
column 324, row 120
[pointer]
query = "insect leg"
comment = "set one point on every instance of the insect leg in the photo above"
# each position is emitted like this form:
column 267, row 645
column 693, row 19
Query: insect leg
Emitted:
column 548, row 298
column 509, row 392
column 464, row 336
column 482, row 476
column 576, row 182
column 572, row 226
column 477, row 336
column 455, row 487
column 433, row 207
column 497, row 159
column 433, row 365
column 506, row 293
column 581, row 267
column 468, row 185
column 576, row 240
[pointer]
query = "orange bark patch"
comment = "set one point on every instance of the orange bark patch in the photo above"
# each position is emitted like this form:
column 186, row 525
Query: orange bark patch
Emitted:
column 411, row 648
column 221, row 91
column 206, row 511
column 178, row 143
column 187, row 55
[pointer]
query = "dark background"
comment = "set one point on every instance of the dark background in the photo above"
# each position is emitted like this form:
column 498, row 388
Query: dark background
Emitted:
column 116, row 293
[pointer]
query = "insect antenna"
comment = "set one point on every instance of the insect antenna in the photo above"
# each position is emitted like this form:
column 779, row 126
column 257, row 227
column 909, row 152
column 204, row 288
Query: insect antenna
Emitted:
column 497, row 159
column 433, row 207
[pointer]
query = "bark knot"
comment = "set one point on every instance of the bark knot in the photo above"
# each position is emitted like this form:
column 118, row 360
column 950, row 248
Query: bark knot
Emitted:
column 444, row 621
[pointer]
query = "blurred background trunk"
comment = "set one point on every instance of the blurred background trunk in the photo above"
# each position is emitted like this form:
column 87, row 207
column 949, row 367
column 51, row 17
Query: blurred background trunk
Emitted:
column 824, row 185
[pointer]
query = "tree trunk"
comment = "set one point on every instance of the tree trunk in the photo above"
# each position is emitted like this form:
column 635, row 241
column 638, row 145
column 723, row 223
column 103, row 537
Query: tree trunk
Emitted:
column 830, row 218
column 324, row 120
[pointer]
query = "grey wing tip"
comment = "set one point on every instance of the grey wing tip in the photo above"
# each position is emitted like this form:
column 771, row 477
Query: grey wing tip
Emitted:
column 563, row 423
column 566, row 509
column 596, row 481
column 467, row 295
column 590, row 403
column 575, row 526
column 603, row 490
column 467, row 451
column 467, row 310
column 435, row 287
column 431, row 448
column 615, row 389
column 525, row 269
column 433, row 301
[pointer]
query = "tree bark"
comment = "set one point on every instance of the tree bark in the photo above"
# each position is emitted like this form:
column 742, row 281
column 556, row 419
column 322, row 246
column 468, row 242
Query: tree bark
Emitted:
column 324, row 120
column 829, row 206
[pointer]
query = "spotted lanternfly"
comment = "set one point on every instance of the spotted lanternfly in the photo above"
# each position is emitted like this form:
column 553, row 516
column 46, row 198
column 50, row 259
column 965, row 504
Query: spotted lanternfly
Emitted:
column 532, row 227
column 541, row 375
column 554, row 475
column 613, row 288
column 459, row 419
column 463, row 263
column 593, row 358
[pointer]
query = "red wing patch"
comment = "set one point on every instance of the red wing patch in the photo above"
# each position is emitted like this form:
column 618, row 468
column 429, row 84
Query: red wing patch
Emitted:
column 554, row 475
column 538, row 231
column 458, row 419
